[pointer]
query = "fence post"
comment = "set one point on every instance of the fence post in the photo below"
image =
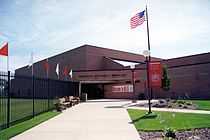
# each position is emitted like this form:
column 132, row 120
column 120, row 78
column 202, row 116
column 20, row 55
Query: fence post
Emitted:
column 33, row 95
column 48, row 93
column 8, row 100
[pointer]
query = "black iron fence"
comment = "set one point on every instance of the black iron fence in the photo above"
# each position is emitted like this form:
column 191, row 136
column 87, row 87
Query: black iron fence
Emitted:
column 23, row 97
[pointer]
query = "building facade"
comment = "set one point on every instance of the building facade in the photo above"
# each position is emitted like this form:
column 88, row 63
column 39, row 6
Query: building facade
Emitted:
column 102, row 75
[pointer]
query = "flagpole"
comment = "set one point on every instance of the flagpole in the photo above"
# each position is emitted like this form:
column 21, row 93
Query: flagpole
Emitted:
column 8, row 59
column 33, row 80
column 32, row 65
column 47, row 68
column 48, row 86
column 148, row 59
column 148, row 40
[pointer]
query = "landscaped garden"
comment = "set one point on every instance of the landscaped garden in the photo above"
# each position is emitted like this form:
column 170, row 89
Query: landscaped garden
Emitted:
column 201, row 104
column 185, row 124
column 179, row 104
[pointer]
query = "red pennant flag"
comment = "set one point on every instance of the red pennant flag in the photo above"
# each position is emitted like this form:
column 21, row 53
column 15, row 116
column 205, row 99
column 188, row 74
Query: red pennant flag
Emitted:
column 135, row 76
column 65, row 71
column 46, row 65
column 4, row 49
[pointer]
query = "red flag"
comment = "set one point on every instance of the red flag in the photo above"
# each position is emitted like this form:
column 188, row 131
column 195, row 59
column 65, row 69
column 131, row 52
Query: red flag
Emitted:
column 65, row 71
column 4, row 49
column 135, row 76
column 46, row 65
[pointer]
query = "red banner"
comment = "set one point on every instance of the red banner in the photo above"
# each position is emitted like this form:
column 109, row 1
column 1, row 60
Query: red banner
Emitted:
column 155, row 74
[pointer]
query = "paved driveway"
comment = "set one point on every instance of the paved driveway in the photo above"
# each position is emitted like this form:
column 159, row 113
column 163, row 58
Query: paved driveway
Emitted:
column 93, row 120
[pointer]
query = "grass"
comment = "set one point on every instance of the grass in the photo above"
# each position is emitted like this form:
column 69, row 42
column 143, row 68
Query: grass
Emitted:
column 162, row 120
column 21, row 127
column 25, row 106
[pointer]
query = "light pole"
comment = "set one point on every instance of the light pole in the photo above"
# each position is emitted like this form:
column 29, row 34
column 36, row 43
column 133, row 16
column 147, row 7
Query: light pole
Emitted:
column 133, row 82
column 146, row 54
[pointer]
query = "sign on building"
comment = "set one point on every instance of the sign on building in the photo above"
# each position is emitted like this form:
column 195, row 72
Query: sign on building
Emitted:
column 122, row 88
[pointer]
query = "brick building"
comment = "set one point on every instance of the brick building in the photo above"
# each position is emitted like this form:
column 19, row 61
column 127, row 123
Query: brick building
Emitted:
column 102, row 75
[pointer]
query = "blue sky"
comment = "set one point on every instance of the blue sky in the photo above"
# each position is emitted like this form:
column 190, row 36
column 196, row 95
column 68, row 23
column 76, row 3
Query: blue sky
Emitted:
column 48, row 27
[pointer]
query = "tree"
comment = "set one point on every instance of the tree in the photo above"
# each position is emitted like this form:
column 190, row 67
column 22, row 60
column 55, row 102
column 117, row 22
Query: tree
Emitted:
column 166, row 82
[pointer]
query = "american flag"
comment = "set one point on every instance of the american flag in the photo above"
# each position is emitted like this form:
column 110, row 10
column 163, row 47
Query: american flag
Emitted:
column 137, row 20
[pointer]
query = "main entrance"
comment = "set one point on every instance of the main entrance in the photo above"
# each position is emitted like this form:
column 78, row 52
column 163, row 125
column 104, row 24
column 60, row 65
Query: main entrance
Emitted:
column 94, row 91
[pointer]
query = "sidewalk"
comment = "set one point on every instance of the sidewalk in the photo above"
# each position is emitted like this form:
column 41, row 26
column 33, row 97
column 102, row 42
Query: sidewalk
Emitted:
column 94, row 120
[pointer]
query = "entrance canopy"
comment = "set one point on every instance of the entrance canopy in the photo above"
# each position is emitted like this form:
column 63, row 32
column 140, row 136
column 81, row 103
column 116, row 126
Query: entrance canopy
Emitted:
column 97, row 82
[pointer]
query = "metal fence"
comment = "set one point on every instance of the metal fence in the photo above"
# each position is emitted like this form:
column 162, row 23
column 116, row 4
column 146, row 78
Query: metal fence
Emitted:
column 23, row 97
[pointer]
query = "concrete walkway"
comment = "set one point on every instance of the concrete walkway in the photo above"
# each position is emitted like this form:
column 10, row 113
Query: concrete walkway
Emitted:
column 94, row 120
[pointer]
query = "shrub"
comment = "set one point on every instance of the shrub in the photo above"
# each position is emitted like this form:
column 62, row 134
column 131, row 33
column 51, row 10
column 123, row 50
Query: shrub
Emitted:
column 189, row 103
column 181, row 102
column 166, row 82
column 169, row 106
column 169, row 132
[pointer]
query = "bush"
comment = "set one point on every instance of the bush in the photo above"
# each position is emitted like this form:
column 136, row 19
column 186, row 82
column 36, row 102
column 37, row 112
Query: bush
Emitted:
column 169, row 106
column 166, row 82
column 169, row 132
column 181, row 102
column 189, row 103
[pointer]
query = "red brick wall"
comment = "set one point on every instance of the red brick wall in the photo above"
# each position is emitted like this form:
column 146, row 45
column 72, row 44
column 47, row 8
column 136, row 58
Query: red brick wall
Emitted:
column 188, row 82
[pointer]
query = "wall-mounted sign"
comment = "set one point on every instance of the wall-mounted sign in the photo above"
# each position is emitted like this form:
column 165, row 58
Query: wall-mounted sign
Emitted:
column 122, row 88
column 105, row 75
column 155, row 71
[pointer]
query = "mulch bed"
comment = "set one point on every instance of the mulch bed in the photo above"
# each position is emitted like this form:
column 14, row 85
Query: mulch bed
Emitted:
column 168, row 103
column 196, row 134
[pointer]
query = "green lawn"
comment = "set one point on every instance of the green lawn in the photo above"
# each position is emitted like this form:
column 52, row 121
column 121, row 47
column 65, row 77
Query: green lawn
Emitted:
column 163, row 120
column 21, row 108
column 21, row 127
